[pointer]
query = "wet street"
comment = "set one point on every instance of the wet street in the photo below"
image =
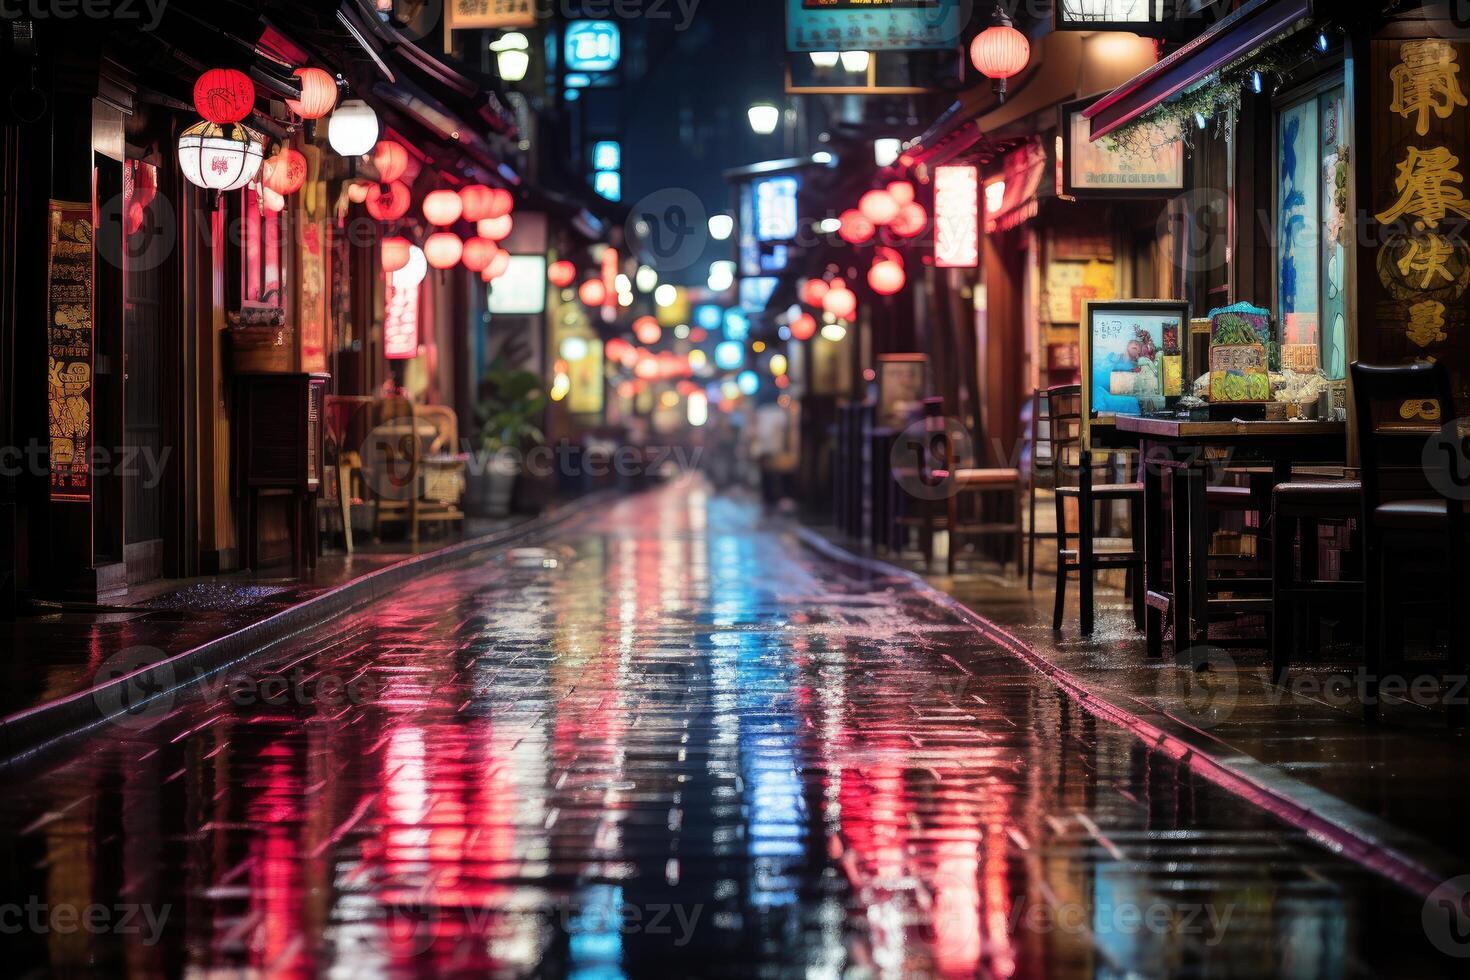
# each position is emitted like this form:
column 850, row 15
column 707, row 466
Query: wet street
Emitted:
column 667, row 741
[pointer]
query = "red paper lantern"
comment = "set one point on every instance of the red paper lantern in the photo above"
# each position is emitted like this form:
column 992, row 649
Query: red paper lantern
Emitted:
column 886, row 277
column 592, row 293
column 357, row 193
column 395, row 253
column 647, row 330
column 901, row 191
column 804, row 327
column 840, row 301
column 562, row 274
column 318, row 94
column 388, row 202
column 813, row 290
column 478, row 202
column 285, row 172
column 443, row 250
column 855, row 229
column 911, row 220
column 1000, row 51
column 501, row 203
column 879, row 207
column 495, row 229
column 443, row 208
column 136, row 215
column 391, row 159
column 275, row 203
column 224, row 95
column 499, row 263
column 477, row 254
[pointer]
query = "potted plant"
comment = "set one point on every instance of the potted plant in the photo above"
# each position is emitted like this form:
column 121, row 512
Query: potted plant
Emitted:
column 508, row 420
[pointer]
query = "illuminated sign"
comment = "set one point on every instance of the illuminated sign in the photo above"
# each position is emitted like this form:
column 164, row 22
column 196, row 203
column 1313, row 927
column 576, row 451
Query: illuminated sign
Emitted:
column 477, row 14
column 608, row 184
column 873, row 25
column 956, row 217
column 775, row 209
column 1100, row 169
column 401, row 316
column 522, row 289
column 607, row 155
column 756, row 292
column 593, row 45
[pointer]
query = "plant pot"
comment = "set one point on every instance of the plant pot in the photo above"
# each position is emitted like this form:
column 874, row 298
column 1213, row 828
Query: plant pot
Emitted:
column 490, row 488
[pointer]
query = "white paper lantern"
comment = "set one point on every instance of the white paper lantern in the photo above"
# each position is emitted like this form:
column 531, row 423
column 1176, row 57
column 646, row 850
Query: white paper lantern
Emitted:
column 220, row 157
column 353, row 128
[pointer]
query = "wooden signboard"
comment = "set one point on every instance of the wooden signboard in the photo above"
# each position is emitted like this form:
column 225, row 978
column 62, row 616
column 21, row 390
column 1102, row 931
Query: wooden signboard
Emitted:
column 1414, row 256
column 902, row 384
column 69, row 348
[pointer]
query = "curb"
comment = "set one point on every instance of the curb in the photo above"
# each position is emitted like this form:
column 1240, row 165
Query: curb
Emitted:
column 1410, row 862
column 28, row 735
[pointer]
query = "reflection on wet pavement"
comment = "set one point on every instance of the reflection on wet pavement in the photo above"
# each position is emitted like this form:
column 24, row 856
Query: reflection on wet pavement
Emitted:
column 671, row 742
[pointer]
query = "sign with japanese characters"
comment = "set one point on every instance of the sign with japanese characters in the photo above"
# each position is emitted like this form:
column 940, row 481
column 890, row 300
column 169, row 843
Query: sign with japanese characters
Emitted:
column 873, row 25
column 69, row 346
column 474, row 14
column 1416, row 270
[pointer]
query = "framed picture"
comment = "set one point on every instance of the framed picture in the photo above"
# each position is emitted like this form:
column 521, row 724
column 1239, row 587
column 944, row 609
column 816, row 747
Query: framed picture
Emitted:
column 902, row 382
column 1100, row 170
column 1133, row 356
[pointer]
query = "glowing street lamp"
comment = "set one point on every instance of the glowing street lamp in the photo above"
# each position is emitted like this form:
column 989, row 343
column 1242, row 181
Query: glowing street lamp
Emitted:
column 512, row 56
column 764, row 118
column 825, row 59
column 721, row 227
column 856, row 61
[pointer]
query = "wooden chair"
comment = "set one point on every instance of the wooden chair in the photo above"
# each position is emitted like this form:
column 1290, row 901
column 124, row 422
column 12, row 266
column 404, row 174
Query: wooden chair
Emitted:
column 1413, row 528
column 966, row 505
column 1064, row 421
column 1298, row 508
column 442, row 465
column 392, row 463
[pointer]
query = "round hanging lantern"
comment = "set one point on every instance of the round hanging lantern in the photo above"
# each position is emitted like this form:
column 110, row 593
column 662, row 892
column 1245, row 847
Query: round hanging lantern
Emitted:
column 855, row 229
column 495, row 229
column 901, row 191
column 275, row 203
column 478, row 201
column 443, row 250
column 357, row 192
column 443, row 208
column 391, row 159
column 647, row 330
column 477, row 254
column 562, row 274
column 285, row 173
column 910, row 221
column 813, row 290
column 592, row 293
column 318, row 94
column 388, row 202
column 224, row 95
column 804, row 327
column 220, row 158
column 1000, row 51
column 499, row 263
column 501, row 203
column 396, row 252
column 879, row 207
column 886, row 277
column 353, row 128
column 840, row 301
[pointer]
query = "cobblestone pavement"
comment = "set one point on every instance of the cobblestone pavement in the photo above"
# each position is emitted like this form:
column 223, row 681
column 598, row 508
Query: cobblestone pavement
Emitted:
column 667, row 742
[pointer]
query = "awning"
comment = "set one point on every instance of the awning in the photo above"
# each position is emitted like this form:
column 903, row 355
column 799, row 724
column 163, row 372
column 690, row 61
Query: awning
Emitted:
column 1245, row 30
column 1025, row 167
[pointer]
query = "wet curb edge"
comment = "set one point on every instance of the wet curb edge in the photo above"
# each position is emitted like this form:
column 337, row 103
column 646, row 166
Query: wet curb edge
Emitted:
column 27, row 735
column 1352, row 833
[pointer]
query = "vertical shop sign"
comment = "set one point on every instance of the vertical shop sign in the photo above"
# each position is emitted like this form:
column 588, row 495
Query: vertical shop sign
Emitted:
column 69, row 323
column 956, row 217
column 1421, row 256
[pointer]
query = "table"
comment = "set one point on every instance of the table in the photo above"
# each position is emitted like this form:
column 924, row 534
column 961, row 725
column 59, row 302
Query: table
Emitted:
column 1189, row 454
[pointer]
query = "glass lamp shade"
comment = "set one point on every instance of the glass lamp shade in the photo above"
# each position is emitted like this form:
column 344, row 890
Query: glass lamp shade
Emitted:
column 353, row 128
column 825, row 59
column 220, row 157
column 764, row 118
column 512, row 64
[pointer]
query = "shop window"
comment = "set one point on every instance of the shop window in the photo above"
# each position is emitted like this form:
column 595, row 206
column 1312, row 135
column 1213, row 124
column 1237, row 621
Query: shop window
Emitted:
column 1311, row 228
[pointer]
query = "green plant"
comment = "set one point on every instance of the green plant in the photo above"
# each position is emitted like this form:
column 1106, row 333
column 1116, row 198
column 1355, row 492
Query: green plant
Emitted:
column 509, row 412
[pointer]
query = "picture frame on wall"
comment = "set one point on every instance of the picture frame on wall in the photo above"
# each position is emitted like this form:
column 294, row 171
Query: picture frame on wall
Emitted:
column 1093, row 171
column 902, row 384
column 1134, row 355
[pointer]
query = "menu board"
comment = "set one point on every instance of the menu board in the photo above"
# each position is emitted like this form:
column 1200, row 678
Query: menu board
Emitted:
column 69, row 256
column 1133, row 352
column 1101, row 169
